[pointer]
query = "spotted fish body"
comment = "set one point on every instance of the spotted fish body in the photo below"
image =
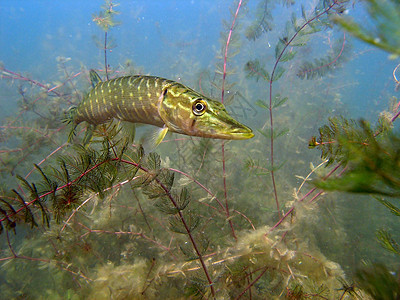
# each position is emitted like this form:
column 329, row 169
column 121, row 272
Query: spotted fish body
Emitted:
column 130, row 98
column 160, row 102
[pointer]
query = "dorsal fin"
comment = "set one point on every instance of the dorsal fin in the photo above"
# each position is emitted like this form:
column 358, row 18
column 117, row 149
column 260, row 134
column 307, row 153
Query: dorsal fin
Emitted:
column 94, row 78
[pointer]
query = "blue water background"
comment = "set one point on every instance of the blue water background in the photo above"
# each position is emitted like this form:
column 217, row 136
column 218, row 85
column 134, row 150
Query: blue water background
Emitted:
column 157, row 35
column 34, row 32
column 152, row 34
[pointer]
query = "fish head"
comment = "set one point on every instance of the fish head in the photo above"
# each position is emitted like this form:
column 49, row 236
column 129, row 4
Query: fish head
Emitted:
column 188, row 112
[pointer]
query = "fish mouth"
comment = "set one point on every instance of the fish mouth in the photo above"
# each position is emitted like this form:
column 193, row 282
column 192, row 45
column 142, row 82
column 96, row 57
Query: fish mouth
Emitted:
column 237, row 134
column 241, row 135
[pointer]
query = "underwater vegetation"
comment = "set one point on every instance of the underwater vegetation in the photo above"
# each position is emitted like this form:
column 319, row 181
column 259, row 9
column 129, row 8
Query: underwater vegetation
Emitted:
column 99, row 215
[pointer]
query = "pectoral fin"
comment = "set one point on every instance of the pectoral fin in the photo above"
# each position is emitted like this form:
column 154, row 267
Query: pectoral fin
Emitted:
column 159, row 136
column 152, row 140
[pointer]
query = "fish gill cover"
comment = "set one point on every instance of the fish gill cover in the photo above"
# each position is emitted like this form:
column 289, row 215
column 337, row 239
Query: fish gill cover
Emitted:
column 100, row 216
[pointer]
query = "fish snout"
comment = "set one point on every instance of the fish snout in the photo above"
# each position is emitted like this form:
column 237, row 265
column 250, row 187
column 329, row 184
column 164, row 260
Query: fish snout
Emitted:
column 241, row 133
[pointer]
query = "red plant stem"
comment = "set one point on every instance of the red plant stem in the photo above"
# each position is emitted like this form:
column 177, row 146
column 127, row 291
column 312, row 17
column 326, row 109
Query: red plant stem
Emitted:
column 105, row 54
column 226, row 191
column 13, row 150
column 199, row 184
column 313, row 189
column 140, row 234
column 57, row 189
column 226, row 50
column 303, row 198
column 48, row 90
column 9, row 245
column 252, row 283
column 270, row 108
column 46, row 158
column 43, row 134
column 183, row 220
column 116, row 186
column 316, row 196
column 395, row 116
column 39, row 140
column 256, row 72
column 20, row 77
column 63, row 265
column 24, row 128
column 167, row 193
column 332, row 62
column 222, row 101
column 247, row 218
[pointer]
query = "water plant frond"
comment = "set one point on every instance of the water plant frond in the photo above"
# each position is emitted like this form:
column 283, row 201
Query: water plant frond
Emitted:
column 105, row 18
column 193, row 221
column 387, row 242
column 321, row 66
column 262, row 22
column 254, row 69
column 34, row 195
column 29, row 217
column 378, row 282
column 61, row 186
column 372, row 160
column 332, row 139
column 384, row 32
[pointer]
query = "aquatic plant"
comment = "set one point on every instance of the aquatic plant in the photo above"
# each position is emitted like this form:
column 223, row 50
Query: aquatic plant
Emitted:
column 319, row 66
column 296, row 34
column 369, row 157
column 105, row 20
column 383, row 32
column 224, row 73
column 262, row 22
column 113, row 221
column 369, row 154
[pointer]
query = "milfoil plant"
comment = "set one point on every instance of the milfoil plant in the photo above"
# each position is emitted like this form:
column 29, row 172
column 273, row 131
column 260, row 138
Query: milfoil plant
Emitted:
column 111, row 220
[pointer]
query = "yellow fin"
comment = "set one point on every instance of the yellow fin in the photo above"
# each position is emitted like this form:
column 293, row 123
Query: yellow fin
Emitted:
column 154, row 139
column 159, row 136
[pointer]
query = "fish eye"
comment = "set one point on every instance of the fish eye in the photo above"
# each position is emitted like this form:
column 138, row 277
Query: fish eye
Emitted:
column 199, row 107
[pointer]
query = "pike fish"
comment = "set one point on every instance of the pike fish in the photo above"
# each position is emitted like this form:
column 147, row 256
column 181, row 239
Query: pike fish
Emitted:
column 156, row 101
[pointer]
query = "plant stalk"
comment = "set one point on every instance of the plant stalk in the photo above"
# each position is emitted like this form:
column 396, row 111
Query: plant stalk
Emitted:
column 270, row 100
column 222, row 101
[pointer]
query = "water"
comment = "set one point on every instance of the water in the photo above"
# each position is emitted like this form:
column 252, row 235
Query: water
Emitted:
column 114, row 231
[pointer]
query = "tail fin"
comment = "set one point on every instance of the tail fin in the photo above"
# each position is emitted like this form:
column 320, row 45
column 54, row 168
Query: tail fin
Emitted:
column 69, row 118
